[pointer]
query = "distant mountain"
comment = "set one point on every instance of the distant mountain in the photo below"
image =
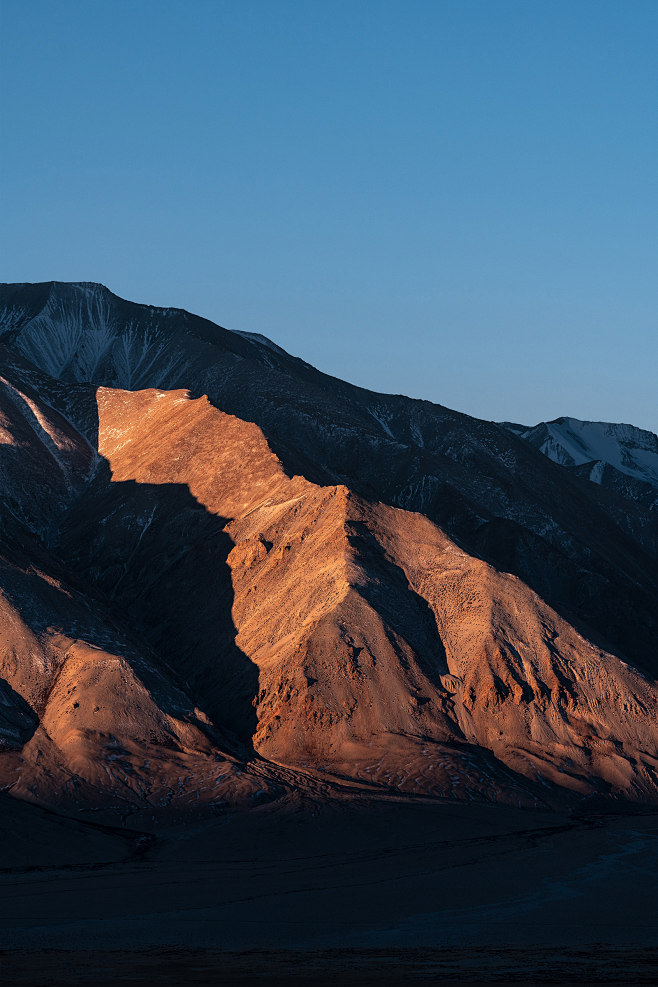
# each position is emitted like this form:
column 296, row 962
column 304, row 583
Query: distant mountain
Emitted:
column 225, row 575
column 619, row 457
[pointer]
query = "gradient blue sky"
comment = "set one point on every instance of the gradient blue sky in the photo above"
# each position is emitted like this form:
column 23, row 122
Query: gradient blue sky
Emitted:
column 456, row 200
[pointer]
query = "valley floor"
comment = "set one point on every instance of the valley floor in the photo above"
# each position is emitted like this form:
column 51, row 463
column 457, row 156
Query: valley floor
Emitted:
column 350, row 890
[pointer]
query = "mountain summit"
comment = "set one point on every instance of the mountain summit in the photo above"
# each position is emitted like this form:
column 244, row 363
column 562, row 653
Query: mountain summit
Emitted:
column 225, row 575
column 620, row 457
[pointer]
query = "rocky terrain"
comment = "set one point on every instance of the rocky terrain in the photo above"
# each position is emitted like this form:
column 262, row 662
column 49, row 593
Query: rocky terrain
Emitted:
column 619, row 457
column 225, row 577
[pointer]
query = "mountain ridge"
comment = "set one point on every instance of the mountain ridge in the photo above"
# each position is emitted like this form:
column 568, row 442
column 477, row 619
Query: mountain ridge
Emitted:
column 616, row 456
column 313, row 578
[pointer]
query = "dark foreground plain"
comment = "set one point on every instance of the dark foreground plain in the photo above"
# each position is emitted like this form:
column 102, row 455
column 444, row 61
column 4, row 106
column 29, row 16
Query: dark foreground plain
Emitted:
column 349, row 891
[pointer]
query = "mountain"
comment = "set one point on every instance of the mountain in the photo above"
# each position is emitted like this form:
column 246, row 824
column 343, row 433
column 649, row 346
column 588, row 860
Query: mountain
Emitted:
column 622, row 458
column 225, row 576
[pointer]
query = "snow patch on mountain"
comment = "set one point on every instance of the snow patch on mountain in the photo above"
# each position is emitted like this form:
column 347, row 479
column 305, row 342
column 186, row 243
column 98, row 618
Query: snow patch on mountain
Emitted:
column 66, row 335
column 81, row 338
column 141, row 359
column 256, row 337
column 571, row 442
column 10, row 317
column 380, row 418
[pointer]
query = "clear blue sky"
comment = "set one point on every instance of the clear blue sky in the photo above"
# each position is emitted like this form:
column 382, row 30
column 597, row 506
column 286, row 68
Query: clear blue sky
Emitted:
column 455, row 199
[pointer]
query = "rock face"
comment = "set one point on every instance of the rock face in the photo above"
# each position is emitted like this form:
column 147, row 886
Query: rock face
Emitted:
column 622, row 458
column 223, row 573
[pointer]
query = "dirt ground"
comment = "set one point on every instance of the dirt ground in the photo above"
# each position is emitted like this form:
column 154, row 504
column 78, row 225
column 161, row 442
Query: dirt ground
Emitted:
column 348, row 891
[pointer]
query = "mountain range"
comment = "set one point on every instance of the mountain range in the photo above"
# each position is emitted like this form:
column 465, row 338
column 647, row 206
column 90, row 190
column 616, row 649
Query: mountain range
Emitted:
column 225, row 575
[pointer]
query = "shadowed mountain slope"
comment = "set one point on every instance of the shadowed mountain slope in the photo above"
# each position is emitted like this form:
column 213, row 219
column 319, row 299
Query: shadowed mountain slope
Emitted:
column 621, row 458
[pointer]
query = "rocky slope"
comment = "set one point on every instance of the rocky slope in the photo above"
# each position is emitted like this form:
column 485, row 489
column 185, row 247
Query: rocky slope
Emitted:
column 622, row 458
column 225, row 574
